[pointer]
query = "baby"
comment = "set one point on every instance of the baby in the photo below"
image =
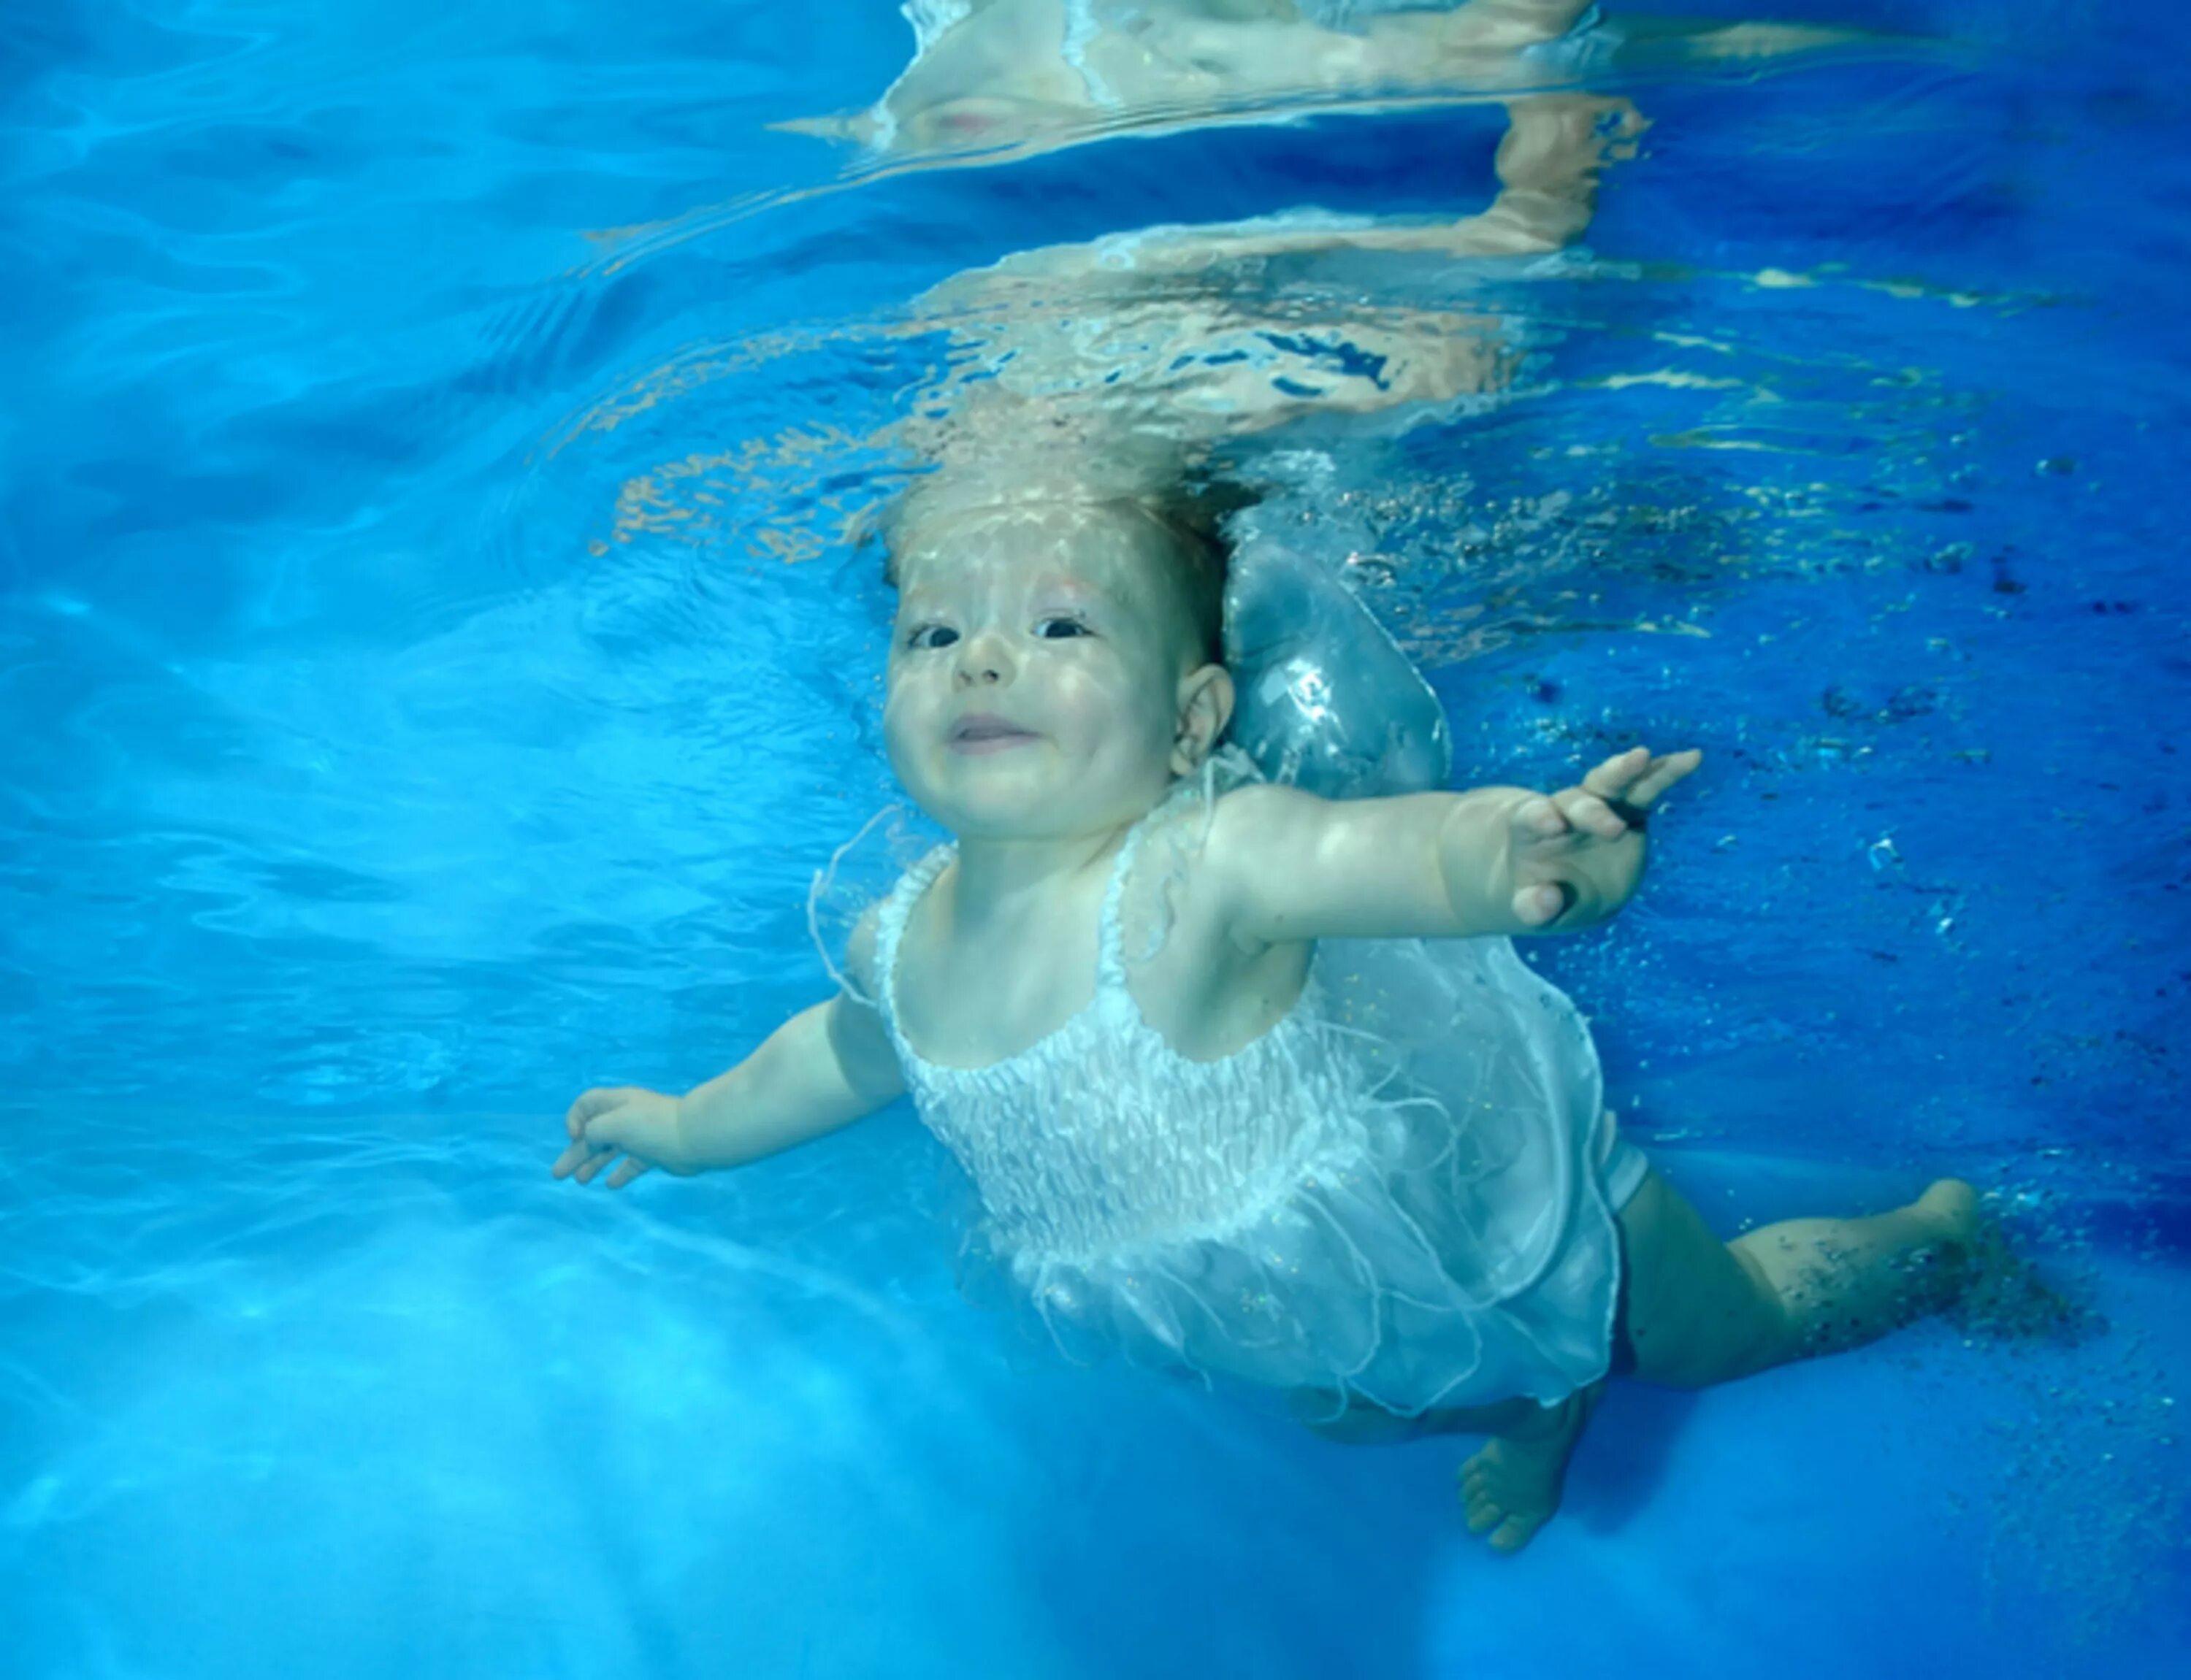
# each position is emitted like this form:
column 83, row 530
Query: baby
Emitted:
column 1108, row 998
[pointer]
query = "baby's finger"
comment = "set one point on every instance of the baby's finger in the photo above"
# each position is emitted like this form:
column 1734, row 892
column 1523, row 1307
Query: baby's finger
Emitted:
column 1663, row 774
column 1534, row 907
column 626, row 1170
column 594, row 1165
column 1541, row 817
column 590, row 1152
column 599, row 1100
column 1617, row 774
column 1589, row 812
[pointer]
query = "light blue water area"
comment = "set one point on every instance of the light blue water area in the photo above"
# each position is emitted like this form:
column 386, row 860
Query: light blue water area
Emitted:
column 432, row 665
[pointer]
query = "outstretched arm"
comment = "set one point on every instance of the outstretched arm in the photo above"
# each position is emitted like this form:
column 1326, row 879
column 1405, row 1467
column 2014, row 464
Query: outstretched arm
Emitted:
column 821, row 1070
column 1293, row 867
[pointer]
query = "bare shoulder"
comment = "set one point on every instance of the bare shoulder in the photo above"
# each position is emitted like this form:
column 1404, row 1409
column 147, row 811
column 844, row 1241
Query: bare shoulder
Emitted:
column 1175, row 893
column 1214, row 836
column 1247, row 816
column 1204, row 988
column 1204, row 857
column 1262, row 826
column 1284, row 866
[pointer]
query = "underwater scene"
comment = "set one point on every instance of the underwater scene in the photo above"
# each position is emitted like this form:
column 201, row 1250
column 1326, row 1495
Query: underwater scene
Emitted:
column 551, row 551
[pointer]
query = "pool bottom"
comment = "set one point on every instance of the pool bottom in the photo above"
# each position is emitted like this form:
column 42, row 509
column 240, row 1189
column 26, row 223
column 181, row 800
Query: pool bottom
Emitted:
column 485, row 1427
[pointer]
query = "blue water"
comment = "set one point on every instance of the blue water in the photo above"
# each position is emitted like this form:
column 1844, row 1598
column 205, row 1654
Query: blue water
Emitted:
column 432, row 663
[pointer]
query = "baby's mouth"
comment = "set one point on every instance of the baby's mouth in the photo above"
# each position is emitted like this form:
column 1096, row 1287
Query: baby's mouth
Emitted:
column 985, row 732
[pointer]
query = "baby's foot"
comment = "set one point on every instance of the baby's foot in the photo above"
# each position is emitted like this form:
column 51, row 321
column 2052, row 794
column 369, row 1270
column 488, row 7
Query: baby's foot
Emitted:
column 1511, row 1488
column 1953, row 1206
column 1937, row 1270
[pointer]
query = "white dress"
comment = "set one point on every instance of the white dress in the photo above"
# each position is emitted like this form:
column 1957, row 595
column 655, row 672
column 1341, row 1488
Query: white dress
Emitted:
column 1401, row 1195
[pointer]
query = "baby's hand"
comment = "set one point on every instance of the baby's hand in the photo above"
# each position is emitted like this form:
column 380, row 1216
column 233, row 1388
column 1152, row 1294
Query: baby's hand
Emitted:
column 1576, row 855
column 640, row 1126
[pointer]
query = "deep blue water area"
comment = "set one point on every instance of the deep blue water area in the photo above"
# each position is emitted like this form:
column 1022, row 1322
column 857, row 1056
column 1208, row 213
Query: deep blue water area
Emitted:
column 433, row 663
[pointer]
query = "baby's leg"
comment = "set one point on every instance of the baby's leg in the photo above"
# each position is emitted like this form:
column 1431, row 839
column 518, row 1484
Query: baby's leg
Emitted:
column 1701, row 1311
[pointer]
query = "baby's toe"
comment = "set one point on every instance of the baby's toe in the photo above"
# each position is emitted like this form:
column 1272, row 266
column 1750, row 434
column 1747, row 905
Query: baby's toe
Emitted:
column 1512, row 1534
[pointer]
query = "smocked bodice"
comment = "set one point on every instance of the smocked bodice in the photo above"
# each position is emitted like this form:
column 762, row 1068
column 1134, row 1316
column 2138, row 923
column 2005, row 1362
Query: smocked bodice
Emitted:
column 1100, row 1135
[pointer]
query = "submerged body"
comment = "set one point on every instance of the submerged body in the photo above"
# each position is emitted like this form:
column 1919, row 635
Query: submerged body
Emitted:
column 1399, row 1195
column 1088, row 1034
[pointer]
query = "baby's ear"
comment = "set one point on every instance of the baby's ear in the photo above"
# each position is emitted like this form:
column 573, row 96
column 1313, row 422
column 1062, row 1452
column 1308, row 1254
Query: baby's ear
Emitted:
column 1205, row 708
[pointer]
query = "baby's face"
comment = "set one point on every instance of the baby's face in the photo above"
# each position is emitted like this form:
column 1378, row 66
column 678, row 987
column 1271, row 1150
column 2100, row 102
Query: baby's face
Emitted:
column 1035, row 671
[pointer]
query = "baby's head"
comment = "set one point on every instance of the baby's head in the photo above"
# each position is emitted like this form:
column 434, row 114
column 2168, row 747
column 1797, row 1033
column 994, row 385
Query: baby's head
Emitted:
column 1057, row 662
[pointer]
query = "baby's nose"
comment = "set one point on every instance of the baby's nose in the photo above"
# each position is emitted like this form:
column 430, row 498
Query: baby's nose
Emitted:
column 983, row 659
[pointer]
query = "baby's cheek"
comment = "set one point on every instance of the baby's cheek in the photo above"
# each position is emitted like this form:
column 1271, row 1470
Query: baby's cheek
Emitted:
column 900, row 729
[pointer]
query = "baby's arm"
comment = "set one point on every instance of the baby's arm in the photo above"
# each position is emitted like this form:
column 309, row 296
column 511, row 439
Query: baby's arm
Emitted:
column 1290, row 867
column 823, row 1069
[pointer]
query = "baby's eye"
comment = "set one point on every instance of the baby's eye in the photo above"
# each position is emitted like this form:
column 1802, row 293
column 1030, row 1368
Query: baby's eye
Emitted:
column 931, row 635
column 1058, row 628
